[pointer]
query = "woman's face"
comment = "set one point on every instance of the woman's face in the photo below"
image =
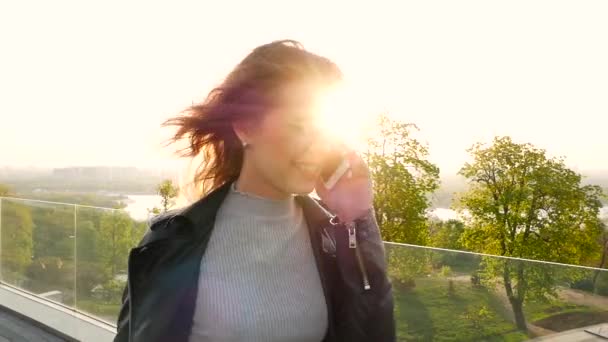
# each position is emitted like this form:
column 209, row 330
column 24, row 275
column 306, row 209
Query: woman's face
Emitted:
column 288, row 146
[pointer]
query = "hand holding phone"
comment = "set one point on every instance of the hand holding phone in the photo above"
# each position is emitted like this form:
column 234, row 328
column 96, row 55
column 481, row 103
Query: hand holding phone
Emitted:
column 334, row 167
column 349, row 197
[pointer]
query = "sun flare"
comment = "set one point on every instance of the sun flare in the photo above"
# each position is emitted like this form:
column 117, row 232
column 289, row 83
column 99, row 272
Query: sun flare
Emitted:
column 345, row 114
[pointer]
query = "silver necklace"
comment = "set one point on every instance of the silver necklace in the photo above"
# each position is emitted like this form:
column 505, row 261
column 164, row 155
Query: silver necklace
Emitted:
column 250, row 195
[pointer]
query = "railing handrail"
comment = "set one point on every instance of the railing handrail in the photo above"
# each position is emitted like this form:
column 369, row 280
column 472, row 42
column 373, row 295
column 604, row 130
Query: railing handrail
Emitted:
column 590, row 268
column 53, row 202
column 385, row 242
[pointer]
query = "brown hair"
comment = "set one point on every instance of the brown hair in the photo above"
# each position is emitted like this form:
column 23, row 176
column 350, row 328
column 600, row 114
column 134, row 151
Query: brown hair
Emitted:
column 248, row 92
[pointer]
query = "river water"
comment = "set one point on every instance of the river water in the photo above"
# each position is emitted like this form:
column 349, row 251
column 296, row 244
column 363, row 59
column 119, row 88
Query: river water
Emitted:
column 138, row 206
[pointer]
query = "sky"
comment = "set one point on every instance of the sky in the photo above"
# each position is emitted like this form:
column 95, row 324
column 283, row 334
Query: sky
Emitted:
column 90, row 82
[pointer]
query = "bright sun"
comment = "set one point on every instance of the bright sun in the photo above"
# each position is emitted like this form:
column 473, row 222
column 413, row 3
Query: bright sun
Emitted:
column 345, row 114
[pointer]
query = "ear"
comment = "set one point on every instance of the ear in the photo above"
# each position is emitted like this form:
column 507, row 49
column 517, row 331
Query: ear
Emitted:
column 243, row 131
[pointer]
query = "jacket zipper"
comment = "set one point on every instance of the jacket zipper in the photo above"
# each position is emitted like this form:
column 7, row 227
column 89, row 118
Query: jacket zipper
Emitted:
column 352, row 243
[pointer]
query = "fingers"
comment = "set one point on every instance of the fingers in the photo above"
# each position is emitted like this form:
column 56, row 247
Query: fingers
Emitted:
column 358, row 166
column 320, row 188
column 357, row 176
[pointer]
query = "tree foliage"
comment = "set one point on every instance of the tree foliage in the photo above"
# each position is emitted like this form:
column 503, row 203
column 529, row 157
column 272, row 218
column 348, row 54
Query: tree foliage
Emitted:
column 403, row 178
column 69, row 248
column 524, row 204
column 5, row 191
column 603, row 242
column 168, row 192
column 17, row 246
column 447, row 234
column 407, row 264
column 117, row 235
column 52, row 273
column 54, row 230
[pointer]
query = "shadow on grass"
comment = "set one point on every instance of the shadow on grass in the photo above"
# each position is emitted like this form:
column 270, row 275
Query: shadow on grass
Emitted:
column 414, row 322
column 437, row 311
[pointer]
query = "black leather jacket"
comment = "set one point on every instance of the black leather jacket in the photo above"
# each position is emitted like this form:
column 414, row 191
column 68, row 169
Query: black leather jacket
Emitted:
column 159, row 300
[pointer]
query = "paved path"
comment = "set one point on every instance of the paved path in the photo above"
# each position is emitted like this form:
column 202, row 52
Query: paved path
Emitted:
column 583, row 298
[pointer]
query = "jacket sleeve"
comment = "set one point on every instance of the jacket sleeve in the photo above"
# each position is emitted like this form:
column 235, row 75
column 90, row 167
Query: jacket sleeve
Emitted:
column 381, row 323
column 365, row 299
column 123, row 324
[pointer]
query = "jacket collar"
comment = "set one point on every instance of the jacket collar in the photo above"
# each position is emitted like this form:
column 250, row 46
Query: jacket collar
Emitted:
column 202, row 213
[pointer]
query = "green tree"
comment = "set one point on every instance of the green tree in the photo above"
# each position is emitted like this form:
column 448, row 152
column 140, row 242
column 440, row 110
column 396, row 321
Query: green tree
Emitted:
column 403, row 178
column 17, row 243
column 86, row 242
column 407, row 264
column 114, row 241
column 99, row 261
column 168, row 192
column 5, row 191
column 54, row 230
column 524, row 204
column 447, row 234
column 153, row 211
column 52, row 273
column 479, row 317
column 91, row 269
column 604, row 247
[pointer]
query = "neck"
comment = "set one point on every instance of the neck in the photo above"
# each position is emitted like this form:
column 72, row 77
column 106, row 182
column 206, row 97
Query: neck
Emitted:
column 251, row 182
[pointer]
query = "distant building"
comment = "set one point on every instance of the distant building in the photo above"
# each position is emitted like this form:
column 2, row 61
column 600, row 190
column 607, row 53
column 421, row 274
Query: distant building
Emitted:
column 98, row 172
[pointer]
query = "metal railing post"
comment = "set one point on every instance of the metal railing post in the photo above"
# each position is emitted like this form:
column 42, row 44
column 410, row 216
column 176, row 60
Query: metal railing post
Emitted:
column 1, row 198
column 75, row 255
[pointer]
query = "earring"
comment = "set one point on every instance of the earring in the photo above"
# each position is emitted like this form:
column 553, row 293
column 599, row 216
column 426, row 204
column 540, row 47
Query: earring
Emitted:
column 245, row 145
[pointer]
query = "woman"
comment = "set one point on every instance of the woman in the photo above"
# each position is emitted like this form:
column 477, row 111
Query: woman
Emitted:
column 256, row 258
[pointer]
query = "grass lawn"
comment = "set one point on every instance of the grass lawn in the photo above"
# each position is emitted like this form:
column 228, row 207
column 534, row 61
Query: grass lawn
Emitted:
column 429, row 313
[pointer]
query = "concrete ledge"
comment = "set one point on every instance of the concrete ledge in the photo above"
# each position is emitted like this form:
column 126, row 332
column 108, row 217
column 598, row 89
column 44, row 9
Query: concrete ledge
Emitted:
column 66, row 321
column 17, row 327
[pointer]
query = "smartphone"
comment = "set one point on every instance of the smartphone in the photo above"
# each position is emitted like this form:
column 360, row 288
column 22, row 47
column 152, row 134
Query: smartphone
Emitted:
column 334, row 167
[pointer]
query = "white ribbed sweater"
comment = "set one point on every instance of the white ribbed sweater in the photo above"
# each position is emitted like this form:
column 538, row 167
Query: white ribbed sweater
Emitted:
column 258, row 279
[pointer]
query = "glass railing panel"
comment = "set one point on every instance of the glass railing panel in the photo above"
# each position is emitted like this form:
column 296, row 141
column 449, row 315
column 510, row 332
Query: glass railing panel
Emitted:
column 104, row 239
column 440, row 295
column 37, row 248
column 445, row 295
